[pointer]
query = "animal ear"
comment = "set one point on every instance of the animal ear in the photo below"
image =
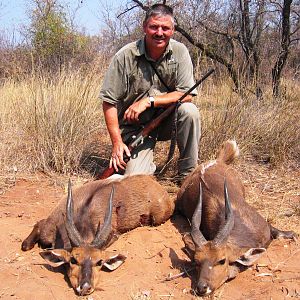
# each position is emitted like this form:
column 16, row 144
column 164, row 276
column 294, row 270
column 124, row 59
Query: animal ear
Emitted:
column 248, row 258
column 233, row 271
column 189, row 245
column 56, row 257
column 114, row 262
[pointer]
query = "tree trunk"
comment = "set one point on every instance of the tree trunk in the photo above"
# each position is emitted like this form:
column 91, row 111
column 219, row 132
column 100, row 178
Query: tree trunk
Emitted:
column 285, row 43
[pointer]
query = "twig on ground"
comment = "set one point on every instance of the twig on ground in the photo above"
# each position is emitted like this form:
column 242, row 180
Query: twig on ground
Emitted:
column 284, row 261
column 158, row 253
column 288, row 279
column 185, row 272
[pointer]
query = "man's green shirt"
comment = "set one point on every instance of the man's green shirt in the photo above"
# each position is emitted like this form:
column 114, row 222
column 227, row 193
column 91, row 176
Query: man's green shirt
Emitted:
column 130, row 77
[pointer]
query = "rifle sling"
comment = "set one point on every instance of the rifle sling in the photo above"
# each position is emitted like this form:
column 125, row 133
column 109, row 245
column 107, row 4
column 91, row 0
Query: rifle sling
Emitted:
column 174, row 125
column 159, row 77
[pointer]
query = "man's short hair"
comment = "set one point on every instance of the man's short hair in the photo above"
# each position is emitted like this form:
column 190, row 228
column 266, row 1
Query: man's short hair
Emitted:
column 159, row 10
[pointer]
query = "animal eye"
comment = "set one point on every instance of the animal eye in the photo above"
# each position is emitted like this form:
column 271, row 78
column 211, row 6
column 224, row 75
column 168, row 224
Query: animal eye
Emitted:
column 73, row 261
column 100, row 263
column 222, row 261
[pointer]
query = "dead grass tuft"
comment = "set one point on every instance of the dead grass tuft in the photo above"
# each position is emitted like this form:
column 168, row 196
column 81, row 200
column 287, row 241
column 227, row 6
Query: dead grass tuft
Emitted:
column 56, row 125
column 273, row 192
column 268, row 130
column 47, row 124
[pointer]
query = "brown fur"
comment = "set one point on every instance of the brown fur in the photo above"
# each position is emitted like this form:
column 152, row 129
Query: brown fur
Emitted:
column 250, row 229
column 213, row 214
column 138, row 200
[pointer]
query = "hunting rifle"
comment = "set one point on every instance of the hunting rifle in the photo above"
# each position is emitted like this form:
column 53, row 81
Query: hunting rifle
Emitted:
column 138, row 139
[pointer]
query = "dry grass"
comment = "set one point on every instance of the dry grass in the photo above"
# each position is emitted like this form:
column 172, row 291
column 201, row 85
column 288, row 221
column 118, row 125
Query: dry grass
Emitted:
column 53, row 124
column 274, row 193
column 47, row 124
column 268, row 130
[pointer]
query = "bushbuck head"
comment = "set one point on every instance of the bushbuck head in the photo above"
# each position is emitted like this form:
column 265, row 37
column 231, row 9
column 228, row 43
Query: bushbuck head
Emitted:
column 85, row 260
column 216, row 261
column 211, row 257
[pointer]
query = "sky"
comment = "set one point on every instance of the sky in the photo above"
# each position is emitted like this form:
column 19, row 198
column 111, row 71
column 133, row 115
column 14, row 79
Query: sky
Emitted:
column 14, row 14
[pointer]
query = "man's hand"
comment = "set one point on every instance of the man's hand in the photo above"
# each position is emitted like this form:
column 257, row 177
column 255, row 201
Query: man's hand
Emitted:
column 118, row 147
column 133, row 112
column 117, row 156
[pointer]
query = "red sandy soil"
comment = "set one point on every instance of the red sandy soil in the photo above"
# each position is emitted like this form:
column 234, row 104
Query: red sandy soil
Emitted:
column 153, row 254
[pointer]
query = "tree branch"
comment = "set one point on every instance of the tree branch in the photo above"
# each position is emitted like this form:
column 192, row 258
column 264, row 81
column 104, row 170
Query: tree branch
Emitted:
column 127, row 10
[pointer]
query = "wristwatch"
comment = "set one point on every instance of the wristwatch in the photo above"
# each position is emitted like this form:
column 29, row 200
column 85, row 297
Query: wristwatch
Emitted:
column 151, row 101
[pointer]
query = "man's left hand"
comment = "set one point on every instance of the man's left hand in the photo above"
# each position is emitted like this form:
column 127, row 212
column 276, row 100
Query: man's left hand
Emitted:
column 133, row 112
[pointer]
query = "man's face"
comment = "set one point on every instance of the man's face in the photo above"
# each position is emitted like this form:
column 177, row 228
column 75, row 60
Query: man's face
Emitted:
column 158, row 31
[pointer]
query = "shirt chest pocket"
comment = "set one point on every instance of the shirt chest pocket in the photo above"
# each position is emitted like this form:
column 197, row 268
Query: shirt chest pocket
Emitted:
column 172, row 67
column 171, row 74
column 139, row 82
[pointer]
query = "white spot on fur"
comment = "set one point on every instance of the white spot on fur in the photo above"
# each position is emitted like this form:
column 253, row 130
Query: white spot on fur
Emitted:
column 208, row 291
column 115, row 177
column 207, row 165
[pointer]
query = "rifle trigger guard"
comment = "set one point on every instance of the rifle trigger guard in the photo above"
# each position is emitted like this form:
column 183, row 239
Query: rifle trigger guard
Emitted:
column 137, row 140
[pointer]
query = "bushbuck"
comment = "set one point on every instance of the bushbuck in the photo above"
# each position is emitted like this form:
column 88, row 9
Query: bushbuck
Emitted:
column 74, row 237
column 227, row 234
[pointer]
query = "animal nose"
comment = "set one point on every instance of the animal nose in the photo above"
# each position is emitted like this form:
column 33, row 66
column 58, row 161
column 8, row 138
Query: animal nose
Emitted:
column 203, row 289
column 85, row 289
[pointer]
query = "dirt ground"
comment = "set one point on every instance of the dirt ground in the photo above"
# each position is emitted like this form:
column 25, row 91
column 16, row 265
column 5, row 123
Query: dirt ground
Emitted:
column 153, row 254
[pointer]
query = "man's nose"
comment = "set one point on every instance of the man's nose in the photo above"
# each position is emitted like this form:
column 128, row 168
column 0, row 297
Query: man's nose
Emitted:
column 159, row 31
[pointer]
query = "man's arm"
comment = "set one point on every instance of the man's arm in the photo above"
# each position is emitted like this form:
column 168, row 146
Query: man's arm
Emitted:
column 185, row 80
column 165, row 100
column 132, row 113
column 118, row 147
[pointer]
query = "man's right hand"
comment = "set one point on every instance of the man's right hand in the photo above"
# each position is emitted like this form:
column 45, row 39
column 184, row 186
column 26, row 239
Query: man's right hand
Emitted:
column 118, row 147
column 117, row 156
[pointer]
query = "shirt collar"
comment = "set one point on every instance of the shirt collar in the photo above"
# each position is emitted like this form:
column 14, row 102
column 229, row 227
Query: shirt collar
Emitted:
column 141, row 49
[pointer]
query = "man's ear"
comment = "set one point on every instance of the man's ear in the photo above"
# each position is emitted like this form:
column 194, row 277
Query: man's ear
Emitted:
column 56, row 257
column 144, row 26
column 113, row 262
column 189, row 245
column 248, row 258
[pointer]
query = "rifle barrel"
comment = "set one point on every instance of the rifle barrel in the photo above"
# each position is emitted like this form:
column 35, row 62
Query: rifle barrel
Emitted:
column 155, row 123
column 196, row 84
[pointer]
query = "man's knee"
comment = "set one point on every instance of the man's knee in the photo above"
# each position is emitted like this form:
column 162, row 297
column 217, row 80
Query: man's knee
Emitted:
column 189, row 110
column 141, row 161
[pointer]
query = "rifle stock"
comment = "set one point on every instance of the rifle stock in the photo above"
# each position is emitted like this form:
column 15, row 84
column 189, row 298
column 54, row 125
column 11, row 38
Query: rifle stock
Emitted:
column 154, row 124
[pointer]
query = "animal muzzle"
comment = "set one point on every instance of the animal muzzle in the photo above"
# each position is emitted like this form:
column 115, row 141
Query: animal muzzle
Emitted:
column 85, row 284
column 84, row 289
column 203, row 289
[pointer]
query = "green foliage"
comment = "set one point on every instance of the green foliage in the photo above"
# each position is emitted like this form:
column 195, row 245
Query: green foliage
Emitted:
column 54, row 41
